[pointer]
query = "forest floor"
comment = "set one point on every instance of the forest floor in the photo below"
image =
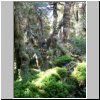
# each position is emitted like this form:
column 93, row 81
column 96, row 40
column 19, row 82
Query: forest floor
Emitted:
column 57, row 82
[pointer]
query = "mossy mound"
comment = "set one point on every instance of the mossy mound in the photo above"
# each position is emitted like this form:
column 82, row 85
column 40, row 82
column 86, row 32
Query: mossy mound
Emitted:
column 46, row 84
column 79, row 72
column 60, row 61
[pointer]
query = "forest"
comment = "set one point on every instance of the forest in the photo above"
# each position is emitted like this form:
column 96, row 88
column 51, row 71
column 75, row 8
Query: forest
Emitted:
column 49, row 49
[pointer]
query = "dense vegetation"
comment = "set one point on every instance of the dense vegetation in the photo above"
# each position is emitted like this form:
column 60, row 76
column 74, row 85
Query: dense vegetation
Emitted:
column 49, row 49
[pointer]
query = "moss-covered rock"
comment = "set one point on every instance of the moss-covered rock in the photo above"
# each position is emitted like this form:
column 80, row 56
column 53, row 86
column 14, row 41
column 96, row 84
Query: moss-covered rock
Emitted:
column 79, row 72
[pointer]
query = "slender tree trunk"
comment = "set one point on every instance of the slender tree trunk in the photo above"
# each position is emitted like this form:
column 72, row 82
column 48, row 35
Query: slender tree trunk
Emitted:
column 66, row 21
column 17, row 44
column 55, row 18
column 41, row 22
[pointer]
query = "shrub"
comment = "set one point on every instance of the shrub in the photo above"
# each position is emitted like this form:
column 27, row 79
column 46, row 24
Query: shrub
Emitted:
column 60, row 61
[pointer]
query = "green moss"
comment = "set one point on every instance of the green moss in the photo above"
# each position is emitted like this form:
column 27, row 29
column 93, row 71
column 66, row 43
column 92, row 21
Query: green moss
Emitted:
column 56, row 89
column 47, row 84
column 60, row 61
column 62, row 72
column 25, row 90
column 79, row 72
column 51, row 83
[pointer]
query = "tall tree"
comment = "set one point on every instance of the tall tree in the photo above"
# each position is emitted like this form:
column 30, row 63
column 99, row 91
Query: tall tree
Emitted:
column 22, row 59
column 66, row 21
column 55, row 17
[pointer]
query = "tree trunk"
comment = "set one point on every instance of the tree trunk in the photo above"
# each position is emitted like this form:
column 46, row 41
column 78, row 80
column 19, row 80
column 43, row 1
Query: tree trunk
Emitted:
column 66, row 21
column 22, row 59
column 55, row 17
